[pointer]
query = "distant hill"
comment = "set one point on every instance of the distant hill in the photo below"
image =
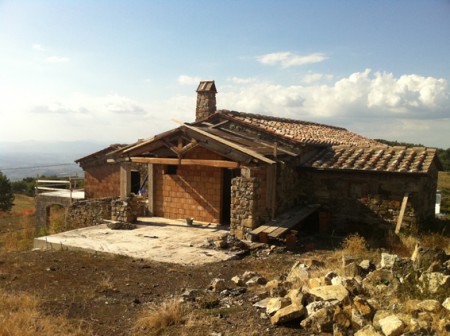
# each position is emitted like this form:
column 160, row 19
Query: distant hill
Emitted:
column 32, row 158
column 444, row 154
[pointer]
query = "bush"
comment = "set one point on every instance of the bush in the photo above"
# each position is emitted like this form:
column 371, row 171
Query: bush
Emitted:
column 354, row 244
column 6, row 194
column 156, row 318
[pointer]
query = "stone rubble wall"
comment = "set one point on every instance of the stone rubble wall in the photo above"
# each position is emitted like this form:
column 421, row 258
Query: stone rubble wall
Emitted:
column 365, row 201
column 127, row 210
column 243, row 199
column 88, row 212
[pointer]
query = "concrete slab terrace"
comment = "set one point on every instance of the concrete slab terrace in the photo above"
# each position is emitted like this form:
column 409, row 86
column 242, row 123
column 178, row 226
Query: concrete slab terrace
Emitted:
column 155, row 238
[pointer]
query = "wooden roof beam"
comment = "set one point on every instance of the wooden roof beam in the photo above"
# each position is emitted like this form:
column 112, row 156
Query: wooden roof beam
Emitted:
column 186, row 162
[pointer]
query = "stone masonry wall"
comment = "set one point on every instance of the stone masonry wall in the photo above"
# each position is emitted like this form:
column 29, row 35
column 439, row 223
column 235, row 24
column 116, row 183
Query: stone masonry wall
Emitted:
column 88, row 212
column 248, row 203
column 370, row 202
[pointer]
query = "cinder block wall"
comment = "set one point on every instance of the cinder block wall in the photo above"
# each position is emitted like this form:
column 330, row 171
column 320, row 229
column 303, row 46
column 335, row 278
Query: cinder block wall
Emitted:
column 102, row 181
column 194, row 191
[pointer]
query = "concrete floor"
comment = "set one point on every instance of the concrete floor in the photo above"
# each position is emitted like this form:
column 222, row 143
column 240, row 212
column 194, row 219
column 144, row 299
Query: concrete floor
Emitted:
column 155, row 238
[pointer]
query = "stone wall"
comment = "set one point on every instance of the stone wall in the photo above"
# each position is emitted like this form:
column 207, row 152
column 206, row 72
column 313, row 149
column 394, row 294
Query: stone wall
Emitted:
column 369, row 202
column 248, row 203
column 127, row 210
column 88, row 212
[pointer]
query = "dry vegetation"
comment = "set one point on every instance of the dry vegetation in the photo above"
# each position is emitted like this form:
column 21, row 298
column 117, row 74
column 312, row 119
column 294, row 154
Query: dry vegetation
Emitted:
column 20, row 315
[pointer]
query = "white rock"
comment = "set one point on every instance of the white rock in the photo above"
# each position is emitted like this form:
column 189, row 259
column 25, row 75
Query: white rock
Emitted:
column 368, row 330
column 217, row 285
column 316, row 305
column 288, row 313
column 334, row 292
column 392, row 325
column 446, row 304
column 388, row 260
column 275, row 304
column 429, row 305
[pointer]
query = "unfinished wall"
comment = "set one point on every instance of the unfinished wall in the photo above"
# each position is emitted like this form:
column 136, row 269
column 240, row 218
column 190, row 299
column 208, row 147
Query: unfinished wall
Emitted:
column 367, row 202
column 191, row 191
column 248, row 202
column 102, row 181
column 88, row 212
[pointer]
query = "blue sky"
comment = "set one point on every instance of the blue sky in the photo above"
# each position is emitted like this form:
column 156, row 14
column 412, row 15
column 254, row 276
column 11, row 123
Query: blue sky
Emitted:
column 116, row 71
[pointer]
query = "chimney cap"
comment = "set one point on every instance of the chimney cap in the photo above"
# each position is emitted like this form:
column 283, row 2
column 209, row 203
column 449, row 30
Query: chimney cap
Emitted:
column 207, row 86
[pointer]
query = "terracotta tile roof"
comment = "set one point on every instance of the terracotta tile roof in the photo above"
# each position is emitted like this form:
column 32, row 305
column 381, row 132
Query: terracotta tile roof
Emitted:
column 384, row 159
column 303, row 132
column 101, row 153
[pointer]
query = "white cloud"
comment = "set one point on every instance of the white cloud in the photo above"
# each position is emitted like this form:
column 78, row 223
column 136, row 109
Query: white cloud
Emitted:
column 122, row 105
column 188, row 80
column 38, row 47
column 240, row 80
column 57, row 59
column 374, row 104
column 311, row 77
column 288, row 59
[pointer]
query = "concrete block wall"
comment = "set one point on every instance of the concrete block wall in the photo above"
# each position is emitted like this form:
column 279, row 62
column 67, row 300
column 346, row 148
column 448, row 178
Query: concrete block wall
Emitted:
column 194, row 191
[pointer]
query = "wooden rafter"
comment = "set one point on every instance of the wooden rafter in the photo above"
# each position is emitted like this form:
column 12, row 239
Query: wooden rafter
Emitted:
column 183, row 162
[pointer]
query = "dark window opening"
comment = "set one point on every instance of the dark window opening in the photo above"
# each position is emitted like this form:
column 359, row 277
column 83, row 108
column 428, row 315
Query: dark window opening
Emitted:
column 171, row 170
column 135, row 181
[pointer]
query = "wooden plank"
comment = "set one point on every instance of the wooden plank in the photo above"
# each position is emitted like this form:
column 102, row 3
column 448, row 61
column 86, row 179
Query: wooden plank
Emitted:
column 401, row 214
column 150, row 189
column 304, row 213
column 184, row 162
column 230, row 144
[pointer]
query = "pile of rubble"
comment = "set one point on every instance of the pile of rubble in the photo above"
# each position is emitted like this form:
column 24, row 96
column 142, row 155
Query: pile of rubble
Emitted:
column 400, row 296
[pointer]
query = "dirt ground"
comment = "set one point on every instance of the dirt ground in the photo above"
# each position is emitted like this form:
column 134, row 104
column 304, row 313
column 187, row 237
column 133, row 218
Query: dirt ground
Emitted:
column 108, row 292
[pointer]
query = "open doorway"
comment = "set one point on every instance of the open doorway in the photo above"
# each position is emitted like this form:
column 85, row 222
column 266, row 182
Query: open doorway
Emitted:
column 228, row 174
column 135, row 181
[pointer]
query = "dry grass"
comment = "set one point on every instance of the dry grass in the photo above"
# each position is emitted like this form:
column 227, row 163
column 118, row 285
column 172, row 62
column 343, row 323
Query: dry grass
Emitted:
column 156, row 318
column 431, row 240
column 355, row 245
column 105, row 284
column 17, row 228
column 19, row 315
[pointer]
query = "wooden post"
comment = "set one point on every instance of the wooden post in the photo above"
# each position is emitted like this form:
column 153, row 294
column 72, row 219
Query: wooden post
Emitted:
column 125, row 181
column 401, row 214
column 150, row 191
column 271, row 189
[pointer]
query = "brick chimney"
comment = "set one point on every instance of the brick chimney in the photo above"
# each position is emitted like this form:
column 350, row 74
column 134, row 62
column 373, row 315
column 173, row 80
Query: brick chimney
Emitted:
column 206, row 100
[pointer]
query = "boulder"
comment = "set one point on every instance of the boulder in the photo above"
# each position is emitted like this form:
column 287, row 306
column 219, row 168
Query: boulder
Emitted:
column 432, row 306
column 352, row 270
column 329, row 277
column 275, row 304
column 379, row 314
column 388, row 260
column 248, row 275
column 434, row 282
column 217, row 285
column 328, row 293
column 256, row 280
column 296, row 296
column 316, row 305
column 320, row 321
column 363, row 307
column 424, row 257
column 392, row 325
column 298, row 273
column 287, row 314
column 446, row 303
column 367, row 330
column 262, row 304
column 238, row 280
column 341, row 320
column 314, row 282
column 367, row 266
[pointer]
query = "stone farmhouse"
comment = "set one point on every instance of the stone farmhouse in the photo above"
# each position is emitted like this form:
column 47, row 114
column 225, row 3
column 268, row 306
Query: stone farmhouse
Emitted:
column 261, row 174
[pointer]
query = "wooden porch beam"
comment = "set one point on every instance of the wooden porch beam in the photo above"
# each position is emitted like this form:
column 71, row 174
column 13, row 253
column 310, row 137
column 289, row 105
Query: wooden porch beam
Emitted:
column 185, row 162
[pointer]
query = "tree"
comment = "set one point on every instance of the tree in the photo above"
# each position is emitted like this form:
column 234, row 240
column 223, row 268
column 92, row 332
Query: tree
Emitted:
column 6, row 194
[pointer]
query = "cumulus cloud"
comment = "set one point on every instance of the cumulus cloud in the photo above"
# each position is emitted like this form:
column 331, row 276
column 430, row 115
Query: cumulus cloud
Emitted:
column 188, row 80
column 372, row 103
column 288, row 59
column 57, row 59
column 58, row 108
